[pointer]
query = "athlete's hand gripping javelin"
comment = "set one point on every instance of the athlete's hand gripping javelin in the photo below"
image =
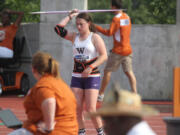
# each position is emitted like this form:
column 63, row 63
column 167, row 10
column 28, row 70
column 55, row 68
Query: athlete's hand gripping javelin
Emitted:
column 73, row 13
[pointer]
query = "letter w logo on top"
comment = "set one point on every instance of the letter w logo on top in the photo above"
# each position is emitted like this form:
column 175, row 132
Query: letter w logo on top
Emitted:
column 80, row 50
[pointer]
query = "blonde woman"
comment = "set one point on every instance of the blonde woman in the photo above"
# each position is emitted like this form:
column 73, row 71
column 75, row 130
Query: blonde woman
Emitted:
column 50, row 105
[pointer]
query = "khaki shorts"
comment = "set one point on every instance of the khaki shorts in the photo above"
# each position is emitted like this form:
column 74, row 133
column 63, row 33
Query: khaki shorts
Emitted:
column 114, row 61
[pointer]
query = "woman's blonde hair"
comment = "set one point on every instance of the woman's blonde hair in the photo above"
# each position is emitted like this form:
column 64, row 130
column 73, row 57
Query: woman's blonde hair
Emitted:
column 44, row 63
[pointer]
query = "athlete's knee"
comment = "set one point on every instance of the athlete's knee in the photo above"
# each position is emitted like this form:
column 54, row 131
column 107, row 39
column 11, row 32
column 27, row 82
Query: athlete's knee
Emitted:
column 107, row 73
column 79, row 113
column 90, row 109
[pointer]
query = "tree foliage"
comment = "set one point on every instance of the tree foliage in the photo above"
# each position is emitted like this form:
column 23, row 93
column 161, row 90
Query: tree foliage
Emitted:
column 100, row 4
column 140, row 11
column 22, row 5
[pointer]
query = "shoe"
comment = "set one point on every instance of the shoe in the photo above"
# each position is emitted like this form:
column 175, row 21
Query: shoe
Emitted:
column 0, row 89
column 81, row 134
column 100, row 98
column 100, row 131
column 101, row 134
column 82, row 131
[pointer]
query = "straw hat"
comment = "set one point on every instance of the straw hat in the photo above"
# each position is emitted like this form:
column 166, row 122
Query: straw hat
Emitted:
column 119, row 102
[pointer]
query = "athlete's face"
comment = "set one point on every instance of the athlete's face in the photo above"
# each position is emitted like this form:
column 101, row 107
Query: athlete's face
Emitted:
column 82, row 25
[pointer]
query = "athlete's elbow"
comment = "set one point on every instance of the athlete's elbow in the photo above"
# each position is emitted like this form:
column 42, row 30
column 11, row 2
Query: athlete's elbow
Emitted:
column 60, row 30
column 105, row 57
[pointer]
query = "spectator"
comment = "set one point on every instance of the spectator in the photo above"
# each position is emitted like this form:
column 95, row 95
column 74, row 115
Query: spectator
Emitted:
column 50, row 105
column 123, row 112
column 121, row 53
column 8, row 32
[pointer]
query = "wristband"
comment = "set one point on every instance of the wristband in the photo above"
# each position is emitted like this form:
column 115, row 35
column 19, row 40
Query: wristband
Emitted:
column 69, row 17
column 91, row 66
column 48, row 130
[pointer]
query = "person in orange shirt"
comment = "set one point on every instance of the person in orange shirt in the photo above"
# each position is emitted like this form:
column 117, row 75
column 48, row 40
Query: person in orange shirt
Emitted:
column 50, row 105
column 8, row 32
column 121, row 53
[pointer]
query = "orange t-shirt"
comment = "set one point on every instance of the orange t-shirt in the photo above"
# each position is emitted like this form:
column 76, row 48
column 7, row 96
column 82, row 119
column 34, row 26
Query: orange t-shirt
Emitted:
column 7, row 35
column 65, row 116
column 120, row 28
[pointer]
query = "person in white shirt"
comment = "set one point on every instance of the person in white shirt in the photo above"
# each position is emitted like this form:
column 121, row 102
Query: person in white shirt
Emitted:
column 123, row 112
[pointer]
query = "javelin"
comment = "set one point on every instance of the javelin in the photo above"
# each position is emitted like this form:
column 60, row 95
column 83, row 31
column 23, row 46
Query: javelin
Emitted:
column 79, row 11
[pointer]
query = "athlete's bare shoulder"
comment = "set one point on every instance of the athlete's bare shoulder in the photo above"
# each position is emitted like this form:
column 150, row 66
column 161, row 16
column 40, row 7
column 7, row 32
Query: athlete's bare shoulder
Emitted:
column 95, row 36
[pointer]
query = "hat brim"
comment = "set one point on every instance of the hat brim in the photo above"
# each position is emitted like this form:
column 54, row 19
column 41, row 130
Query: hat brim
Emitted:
column 111, row 110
